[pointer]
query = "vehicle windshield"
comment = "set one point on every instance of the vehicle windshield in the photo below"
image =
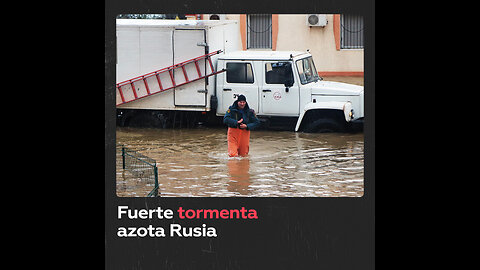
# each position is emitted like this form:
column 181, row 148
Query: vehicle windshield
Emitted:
column 307, row 71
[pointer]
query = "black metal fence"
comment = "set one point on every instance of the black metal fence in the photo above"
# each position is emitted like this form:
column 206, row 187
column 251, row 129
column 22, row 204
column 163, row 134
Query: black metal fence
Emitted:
column 140, row 166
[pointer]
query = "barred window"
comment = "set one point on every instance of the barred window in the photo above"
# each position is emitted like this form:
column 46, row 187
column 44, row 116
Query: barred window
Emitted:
column 351, row 31
column 259, row 31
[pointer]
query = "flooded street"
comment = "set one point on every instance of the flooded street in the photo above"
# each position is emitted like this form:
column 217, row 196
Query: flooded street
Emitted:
column 194, row 162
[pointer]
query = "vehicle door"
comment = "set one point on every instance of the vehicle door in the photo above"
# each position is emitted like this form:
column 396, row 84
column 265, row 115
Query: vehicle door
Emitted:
column 239, row 80
column 187, row 45
column 279, row 92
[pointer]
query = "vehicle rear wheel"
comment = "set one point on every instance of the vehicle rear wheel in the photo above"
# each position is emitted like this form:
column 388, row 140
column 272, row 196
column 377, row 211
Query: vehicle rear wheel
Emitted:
column 145, row 120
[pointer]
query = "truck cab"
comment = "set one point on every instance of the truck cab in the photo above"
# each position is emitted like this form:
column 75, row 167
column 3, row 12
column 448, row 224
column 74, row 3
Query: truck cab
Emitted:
column 284, row 87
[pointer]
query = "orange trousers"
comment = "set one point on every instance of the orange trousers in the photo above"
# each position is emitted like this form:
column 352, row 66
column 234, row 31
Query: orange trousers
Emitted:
column 238, row 142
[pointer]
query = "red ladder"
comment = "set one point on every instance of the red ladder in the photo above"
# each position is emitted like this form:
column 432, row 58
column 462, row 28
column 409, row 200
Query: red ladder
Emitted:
column 151, row 83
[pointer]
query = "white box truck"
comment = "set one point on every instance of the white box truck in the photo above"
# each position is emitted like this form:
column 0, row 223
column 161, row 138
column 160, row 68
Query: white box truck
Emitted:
column 173, row 73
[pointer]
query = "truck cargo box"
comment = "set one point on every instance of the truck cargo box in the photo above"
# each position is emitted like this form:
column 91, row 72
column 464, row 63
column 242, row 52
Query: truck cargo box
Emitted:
column 144, row 46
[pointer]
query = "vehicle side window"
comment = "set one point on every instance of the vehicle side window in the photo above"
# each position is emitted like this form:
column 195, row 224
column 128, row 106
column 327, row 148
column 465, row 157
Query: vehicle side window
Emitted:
column 278, row 73
column 239, row 73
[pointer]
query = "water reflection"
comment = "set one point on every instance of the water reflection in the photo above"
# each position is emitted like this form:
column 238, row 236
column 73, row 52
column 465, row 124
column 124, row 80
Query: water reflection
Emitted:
column 239, row 171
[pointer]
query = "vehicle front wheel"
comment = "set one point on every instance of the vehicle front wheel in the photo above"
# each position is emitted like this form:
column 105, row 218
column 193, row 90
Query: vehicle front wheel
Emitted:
column 324, row 125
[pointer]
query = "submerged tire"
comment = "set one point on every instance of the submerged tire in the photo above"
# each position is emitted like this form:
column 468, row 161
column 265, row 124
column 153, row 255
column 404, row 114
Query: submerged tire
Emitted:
column 324, row 125
column 145, row 119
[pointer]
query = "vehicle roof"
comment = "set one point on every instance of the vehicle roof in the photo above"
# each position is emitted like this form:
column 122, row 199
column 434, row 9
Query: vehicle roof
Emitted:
column 262, row 55
column 171, row 23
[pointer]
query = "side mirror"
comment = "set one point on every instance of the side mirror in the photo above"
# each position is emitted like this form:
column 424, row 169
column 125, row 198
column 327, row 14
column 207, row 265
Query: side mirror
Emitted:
column 288, row 83
column 288, row 76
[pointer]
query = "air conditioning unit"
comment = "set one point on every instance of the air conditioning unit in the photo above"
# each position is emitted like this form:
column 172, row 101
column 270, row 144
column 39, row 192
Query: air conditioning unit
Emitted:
column 317, row 20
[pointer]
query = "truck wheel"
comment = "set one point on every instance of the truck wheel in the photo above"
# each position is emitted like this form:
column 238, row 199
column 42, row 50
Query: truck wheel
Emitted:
column 144, row 120
column 324, row 125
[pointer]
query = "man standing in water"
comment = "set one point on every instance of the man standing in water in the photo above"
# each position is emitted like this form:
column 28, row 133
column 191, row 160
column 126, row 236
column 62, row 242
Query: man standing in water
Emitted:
column 240, row 119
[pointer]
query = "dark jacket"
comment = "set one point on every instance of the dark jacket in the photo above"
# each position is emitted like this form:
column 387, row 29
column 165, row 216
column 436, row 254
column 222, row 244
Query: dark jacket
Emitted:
column 234, row 114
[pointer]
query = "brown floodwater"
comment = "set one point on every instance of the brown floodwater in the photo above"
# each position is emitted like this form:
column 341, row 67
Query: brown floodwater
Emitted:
column 194, row 162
